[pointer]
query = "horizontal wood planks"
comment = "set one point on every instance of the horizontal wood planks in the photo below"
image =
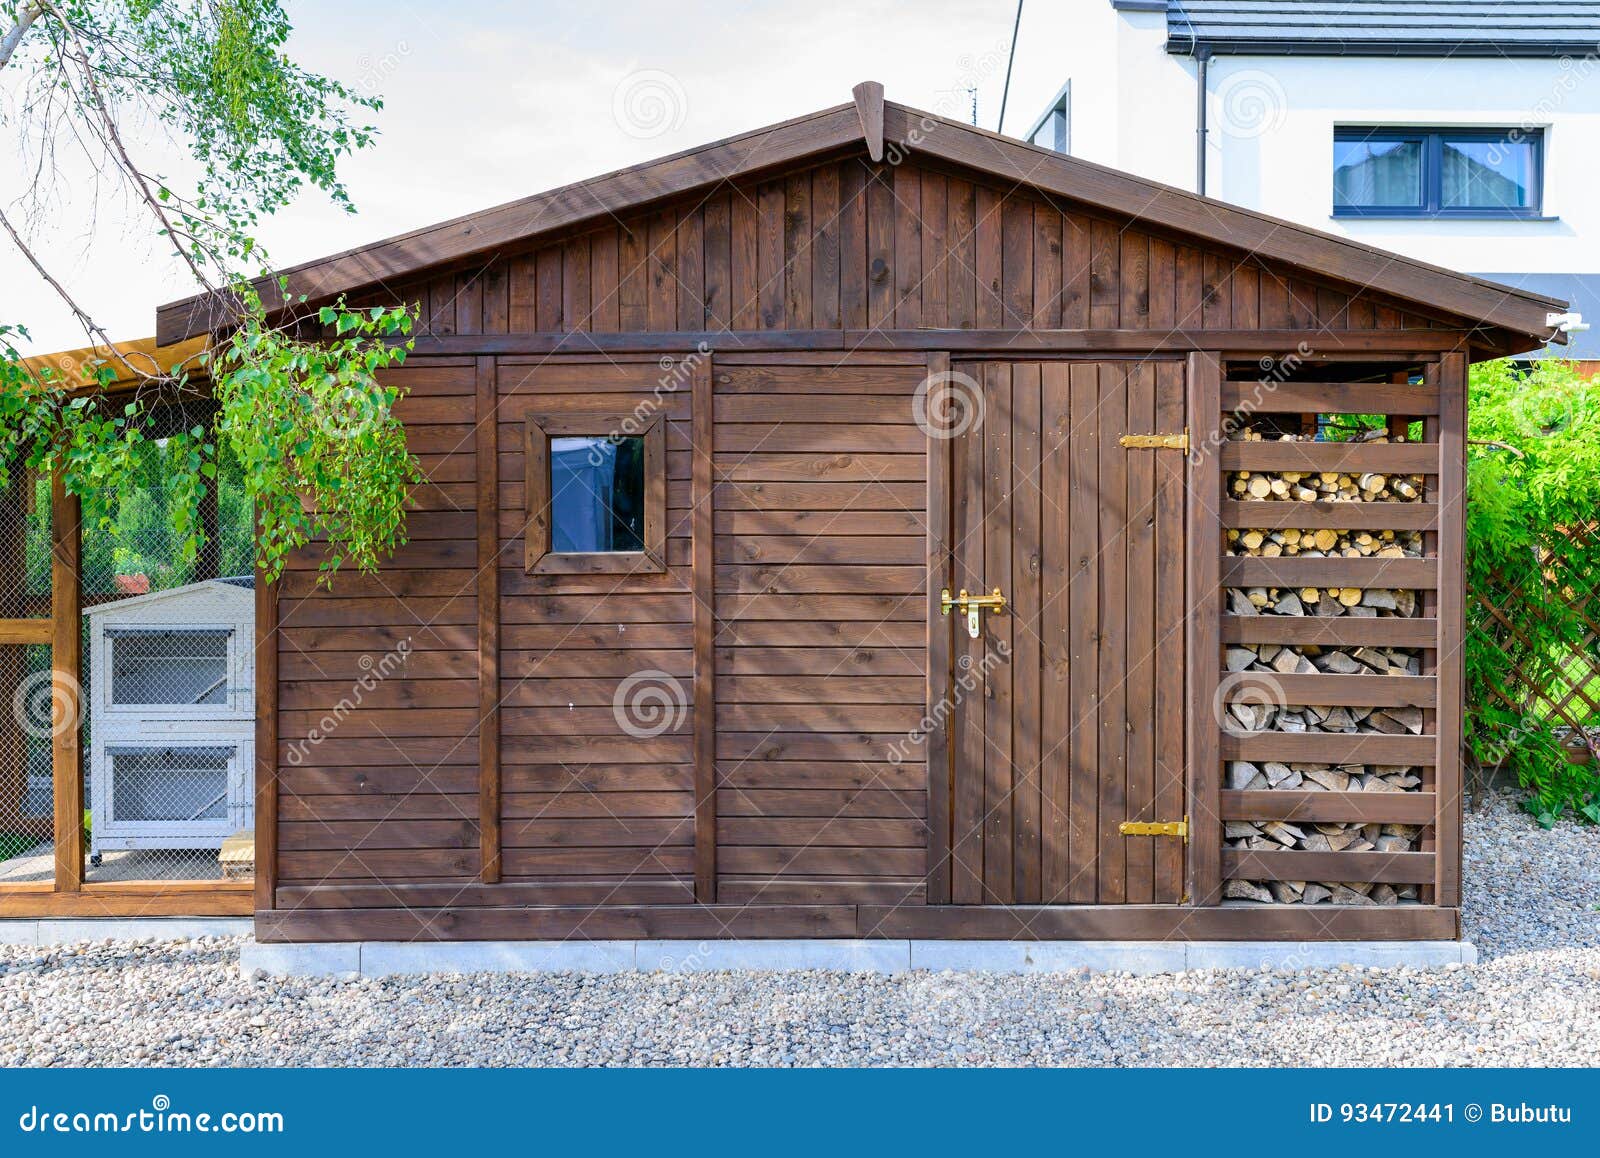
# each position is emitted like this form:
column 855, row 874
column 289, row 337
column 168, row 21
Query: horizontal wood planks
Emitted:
column 599, row 680
column 819, row 541
column 378, row 676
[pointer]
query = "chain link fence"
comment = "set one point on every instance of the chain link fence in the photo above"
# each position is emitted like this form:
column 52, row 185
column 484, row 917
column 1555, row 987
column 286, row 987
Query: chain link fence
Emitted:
column 26, row 800
column 166, row 706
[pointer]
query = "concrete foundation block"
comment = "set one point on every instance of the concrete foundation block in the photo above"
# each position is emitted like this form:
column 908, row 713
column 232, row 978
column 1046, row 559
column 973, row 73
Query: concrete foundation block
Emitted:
column 1289, row 955
column 19, row 931
column 1141, row 957
column 65, row 930
column 387, row 958
column 845, row 956
column 310, row 960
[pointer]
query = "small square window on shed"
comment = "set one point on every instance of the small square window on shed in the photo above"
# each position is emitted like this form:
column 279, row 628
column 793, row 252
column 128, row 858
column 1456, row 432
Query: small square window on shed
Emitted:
column 596, row 497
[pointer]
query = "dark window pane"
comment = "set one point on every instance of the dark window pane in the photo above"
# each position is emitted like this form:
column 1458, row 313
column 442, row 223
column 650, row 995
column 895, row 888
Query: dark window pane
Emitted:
column 1479, row 174
column 597, row 494
column 1377, row 174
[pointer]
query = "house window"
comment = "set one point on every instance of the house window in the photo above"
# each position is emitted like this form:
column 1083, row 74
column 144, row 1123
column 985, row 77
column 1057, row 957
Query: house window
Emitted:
column 1054, row 129
column 1388, row 172
column 596, row 499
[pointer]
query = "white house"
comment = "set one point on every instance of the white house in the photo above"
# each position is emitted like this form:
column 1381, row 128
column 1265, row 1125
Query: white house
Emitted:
column 1462, row 132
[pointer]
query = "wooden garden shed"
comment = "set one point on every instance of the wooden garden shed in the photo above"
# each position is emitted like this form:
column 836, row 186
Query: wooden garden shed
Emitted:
column 851, row 369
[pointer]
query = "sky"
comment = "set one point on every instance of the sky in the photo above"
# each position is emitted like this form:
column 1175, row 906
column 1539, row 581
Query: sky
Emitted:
column 488, row 102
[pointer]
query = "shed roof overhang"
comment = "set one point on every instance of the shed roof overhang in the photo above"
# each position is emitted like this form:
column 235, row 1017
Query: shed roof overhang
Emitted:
column 884, row 129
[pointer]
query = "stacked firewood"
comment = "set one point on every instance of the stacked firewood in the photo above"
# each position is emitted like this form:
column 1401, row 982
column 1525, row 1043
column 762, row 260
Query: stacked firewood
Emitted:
column 1326, row 543
column 1278, row 836
column 1318, row 892
column 1356, row 602
column 1272, row 775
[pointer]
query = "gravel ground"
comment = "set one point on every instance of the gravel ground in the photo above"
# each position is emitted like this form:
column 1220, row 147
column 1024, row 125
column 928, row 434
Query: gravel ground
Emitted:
column 1533, row 910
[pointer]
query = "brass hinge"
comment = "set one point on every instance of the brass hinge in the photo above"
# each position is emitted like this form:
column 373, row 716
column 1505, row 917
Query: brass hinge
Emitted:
column 1157, row 441
column 1178, row 828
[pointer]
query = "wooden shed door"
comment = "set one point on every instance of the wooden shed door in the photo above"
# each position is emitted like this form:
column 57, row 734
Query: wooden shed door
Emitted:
column 1068, row 712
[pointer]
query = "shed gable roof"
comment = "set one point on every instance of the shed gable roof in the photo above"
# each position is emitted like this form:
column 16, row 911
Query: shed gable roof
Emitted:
column 884, row 128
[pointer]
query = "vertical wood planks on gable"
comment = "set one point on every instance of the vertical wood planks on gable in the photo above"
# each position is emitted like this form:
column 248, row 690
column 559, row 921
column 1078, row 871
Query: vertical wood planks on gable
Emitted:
column 825, row 246
column 1105, row 275
column 1016, row 262
column 987, row 258
column 718, row 241
column 1134, row 308
column 605, row 303
column 691, row 269
column 853, row 245
column 575, row 300
column 880, row 247
column 961, row 267
column 907, row 248
column 661, row 293
column 633, row 277
column 935, row 258
column 746, row 226
column 797, row 252
column 547, row 289
column 1047, row 255
column 770, row 272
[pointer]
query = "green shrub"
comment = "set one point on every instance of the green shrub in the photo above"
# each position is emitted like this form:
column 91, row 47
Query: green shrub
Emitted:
column 1533, row 551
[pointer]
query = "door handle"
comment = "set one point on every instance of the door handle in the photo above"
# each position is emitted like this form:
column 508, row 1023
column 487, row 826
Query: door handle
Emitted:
column 972, row 605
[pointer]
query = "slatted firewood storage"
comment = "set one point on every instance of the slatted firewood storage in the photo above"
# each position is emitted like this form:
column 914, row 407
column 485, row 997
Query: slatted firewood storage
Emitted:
column 999, row 563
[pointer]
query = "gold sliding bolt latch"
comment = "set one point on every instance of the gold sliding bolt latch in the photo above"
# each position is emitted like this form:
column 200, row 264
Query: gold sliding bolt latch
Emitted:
column 1157, row 441
column 972, row 605
column 1178, row 828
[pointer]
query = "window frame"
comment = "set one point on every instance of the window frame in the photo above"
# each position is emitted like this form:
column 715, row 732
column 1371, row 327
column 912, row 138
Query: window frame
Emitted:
column 540, row 557
column 1060, row 106
column 1432, row 141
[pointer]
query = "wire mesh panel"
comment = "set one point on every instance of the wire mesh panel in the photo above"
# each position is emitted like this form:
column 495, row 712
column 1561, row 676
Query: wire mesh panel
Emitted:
column 26, row 721
column 26, row 793
column 168, row 698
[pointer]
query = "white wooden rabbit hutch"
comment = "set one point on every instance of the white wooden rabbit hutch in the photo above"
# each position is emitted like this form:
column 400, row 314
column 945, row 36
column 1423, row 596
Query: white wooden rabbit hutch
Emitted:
column 172, row 717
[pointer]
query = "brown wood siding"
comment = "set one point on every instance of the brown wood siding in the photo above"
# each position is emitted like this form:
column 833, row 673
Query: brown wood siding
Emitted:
column 820, row 655
column 854, row 244
column 377, row 751
column 584, row 802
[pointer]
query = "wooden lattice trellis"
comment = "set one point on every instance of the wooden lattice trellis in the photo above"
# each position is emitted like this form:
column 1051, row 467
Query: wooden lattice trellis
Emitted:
column 1564, row 688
